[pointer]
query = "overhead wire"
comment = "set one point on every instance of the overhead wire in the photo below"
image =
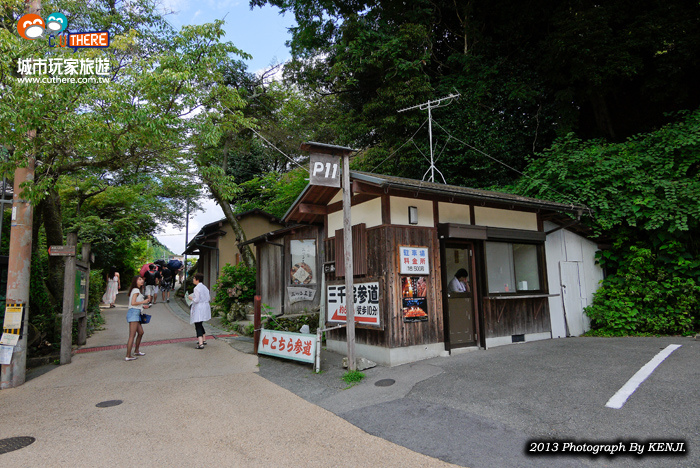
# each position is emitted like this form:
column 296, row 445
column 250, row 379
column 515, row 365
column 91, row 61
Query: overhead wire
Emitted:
column 399, row 148
column 270, row 143
column 473, row 148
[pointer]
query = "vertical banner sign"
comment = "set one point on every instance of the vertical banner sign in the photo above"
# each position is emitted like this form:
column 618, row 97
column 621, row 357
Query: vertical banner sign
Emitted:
column 366, row 297
column 288, row 345
column 324, row 170
column 414, row 260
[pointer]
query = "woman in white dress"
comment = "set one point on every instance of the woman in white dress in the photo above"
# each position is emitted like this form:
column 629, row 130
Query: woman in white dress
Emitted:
column 113, row 286
column 200, row 310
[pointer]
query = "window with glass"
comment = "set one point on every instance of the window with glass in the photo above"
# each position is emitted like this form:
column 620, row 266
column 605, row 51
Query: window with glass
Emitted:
column 512, row 267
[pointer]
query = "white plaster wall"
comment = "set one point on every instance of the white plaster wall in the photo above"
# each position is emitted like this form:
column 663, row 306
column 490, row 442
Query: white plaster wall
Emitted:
column 566, row 246
column 369, row 213
column 510, row 219
column 453, row 213
column 399, row 211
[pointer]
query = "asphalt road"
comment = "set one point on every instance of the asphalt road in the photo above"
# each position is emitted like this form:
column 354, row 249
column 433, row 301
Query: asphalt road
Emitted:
column 482, row 408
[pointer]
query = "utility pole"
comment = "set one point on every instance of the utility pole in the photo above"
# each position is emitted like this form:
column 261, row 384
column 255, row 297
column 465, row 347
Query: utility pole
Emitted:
column 347, row 238
column 18, row 272
column 187, row 235
column 430, row 105
column 20, row 259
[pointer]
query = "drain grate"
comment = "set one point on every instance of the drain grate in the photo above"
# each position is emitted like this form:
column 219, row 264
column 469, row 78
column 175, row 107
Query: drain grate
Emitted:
column 385, row 382
column 108, row 403
column 15, row 443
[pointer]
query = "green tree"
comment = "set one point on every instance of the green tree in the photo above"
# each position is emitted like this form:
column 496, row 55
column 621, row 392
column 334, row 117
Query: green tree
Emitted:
column 644, row 196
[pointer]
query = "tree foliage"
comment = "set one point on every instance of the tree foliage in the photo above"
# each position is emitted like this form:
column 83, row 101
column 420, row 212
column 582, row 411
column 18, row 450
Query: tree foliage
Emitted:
column 645, row 194
column 528, row 72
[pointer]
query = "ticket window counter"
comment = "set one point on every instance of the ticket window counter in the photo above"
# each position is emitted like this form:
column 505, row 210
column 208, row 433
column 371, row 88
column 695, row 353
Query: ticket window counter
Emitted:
column 461, row 311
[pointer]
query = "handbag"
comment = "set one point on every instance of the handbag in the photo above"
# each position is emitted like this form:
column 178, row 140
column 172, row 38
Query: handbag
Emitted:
column 145, row 318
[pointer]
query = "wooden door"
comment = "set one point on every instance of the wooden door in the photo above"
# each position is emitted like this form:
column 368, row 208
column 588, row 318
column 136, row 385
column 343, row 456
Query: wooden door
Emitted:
column 460, row 310
column 571, row 294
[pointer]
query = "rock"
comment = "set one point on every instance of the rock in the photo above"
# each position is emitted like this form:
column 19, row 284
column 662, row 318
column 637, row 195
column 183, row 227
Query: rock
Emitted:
column 360, row 363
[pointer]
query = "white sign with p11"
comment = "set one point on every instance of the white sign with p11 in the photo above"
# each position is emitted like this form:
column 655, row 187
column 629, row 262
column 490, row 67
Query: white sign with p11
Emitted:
column 324, row 170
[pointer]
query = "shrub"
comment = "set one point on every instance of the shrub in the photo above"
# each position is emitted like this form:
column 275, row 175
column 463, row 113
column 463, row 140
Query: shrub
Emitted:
column 234, row 289
column 649, row 292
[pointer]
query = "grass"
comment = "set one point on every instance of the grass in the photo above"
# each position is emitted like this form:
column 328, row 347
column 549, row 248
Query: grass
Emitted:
column 353, row 378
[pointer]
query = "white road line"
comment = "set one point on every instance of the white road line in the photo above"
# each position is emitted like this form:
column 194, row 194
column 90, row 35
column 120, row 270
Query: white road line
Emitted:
column 619, row 399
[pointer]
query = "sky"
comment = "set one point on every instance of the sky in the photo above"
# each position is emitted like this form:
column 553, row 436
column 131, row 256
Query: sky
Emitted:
column 262, row 33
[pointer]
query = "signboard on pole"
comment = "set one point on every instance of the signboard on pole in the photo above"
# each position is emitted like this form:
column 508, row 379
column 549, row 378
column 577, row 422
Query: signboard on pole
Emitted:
column 62, row 250
column 288, row 345
column 324, row 170
column 366, row 297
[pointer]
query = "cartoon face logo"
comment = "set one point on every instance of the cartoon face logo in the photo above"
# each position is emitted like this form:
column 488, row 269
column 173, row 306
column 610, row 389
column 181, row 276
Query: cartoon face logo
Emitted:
column 56, row 22
column 31, row 26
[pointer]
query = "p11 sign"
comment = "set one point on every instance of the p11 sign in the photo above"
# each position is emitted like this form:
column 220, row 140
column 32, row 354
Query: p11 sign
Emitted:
column 324, row 170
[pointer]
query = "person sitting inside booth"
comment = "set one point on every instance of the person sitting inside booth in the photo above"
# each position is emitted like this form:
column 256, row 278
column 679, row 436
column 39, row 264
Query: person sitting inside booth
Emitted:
column 460, row 282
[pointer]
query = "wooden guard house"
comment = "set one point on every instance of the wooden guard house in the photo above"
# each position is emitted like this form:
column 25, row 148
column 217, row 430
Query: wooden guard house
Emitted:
column 411, row 242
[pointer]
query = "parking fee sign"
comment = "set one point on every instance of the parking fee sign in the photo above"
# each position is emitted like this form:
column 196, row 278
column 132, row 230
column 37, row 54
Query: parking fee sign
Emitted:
column 414, row 260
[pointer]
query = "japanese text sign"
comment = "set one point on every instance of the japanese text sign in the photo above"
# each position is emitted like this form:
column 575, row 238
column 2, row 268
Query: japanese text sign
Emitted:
column 288, row 345
column 301, row 294
column 414, row 260
column 366, row 299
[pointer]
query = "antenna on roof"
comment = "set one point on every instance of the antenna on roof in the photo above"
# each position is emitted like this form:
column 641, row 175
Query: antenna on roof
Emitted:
column 430, row 105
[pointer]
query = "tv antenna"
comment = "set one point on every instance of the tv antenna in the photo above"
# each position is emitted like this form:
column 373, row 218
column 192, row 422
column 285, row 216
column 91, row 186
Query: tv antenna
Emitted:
column 430, row 105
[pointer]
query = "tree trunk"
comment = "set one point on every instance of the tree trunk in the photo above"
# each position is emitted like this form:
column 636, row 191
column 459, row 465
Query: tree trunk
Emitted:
column 246, row 251
column 50, row 208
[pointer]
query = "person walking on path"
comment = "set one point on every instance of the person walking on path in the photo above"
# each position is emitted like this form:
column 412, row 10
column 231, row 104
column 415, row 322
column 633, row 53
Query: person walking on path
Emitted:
column 167, row 284
column 133, row 316
column 200, row 311
column 114, row 284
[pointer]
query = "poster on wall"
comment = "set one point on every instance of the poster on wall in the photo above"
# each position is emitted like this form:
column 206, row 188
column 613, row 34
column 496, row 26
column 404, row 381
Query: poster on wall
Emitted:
column 414, row 260
column 366, row 303
column 414, row 292
column 303, row 261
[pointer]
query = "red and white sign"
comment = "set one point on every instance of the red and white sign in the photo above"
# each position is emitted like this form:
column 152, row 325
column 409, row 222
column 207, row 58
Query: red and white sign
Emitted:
column 288, row 345
column 366, row 299
column 414, row 260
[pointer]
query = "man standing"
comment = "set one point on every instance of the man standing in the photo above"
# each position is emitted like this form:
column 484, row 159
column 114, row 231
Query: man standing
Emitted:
column 151, row 278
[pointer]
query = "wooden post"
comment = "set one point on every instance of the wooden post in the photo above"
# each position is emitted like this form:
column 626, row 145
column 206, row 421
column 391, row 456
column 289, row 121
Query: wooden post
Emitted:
column 347, row 238
column 68, row 303
column 82, row 321
column 257, row 322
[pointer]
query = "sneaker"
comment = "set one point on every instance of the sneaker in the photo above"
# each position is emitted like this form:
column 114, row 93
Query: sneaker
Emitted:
column 130, row 358
column 139, row 354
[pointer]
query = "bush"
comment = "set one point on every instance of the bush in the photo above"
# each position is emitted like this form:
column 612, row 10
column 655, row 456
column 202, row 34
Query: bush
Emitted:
column 649, row 293
column 292, row 323
column 234, row 289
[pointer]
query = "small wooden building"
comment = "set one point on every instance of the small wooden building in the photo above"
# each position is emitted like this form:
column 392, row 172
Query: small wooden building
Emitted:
column 438, row 268
column 216, row 244
column 290, row 269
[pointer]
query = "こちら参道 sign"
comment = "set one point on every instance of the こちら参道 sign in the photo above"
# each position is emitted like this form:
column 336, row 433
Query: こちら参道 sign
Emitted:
column 288, row 345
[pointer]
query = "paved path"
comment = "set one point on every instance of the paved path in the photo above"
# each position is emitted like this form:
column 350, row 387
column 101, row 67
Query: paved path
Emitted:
column 180, row 407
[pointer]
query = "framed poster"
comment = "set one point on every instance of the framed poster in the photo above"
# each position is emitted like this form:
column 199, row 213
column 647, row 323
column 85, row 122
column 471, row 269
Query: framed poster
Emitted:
column 414, row 300
column 413, row 260
column 303, row 261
